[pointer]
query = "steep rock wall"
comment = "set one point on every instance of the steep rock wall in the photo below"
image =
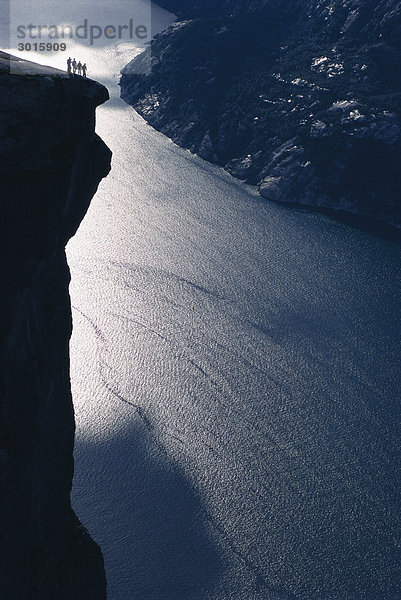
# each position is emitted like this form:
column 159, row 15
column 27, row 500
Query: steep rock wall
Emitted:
column 51, row 162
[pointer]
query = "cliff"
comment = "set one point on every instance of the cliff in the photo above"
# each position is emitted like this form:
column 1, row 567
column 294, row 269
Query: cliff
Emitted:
column 51, row 162
column 302, row 99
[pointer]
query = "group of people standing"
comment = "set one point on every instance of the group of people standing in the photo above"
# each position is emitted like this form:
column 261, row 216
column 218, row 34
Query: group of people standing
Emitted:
column 74, row 67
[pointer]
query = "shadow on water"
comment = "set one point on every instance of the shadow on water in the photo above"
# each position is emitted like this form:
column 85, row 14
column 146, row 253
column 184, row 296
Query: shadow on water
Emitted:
column 373, row 227
column 146, row 517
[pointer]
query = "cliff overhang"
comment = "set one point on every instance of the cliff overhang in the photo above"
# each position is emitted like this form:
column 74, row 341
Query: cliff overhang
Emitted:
column 51, row 162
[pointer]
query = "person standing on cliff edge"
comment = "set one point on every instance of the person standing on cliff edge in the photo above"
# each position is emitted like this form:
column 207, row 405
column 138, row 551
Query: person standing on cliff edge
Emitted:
column 69, row 66
column 84, row 69
column 79, row 67
column 74, row 66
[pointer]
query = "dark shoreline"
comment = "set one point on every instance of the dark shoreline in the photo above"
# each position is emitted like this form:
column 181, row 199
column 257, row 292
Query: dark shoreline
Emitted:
column 377, row 229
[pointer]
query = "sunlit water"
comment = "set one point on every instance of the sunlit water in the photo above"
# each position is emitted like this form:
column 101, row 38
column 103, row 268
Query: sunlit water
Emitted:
column 234, row 373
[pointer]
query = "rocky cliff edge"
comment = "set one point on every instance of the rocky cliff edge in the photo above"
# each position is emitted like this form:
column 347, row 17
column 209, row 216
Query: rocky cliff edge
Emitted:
column 51, row 162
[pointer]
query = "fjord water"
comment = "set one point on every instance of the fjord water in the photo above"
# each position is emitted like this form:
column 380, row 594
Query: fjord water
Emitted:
column 234, row 374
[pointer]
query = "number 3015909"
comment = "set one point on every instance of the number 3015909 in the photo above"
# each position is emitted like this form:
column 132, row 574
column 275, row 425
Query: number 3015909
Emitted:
column 42, row 46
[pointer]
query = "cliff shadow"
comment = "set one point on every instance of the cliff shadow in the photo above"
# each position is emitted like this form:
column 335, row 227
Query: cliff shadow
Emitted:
column 146, row 516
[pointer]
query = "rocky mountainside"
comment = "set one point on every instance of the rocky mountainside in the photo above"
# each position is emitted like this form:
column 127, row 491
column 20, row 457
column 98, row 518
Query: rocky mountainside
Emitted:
column 51, row 162
column 211, row 8
column 302, row 99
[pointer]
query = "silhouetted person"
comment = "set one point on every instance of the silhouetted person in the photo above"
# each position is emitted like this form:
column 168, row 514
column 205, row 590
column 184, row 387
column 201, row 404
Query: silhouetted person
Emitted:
column 74, row 66
column 84, row 69
column 79, row 67
column 69, row 65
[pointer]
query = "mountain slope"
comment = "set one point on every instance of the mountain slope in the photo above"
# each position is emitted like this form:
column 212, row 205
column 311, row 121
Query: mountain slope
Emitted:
column 301, row 99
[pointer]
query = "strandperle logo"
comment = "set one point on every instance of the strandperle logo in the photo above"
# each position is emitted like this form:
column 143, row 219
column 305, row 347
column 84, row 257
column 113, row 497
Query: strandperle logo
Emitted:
column 84, row 31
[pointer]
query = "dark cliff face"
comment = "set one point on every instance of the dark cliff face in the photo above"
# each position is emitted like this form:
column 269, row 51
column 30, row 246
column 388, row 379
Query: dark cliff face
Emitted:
column 51, row 162
column 302, row 99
